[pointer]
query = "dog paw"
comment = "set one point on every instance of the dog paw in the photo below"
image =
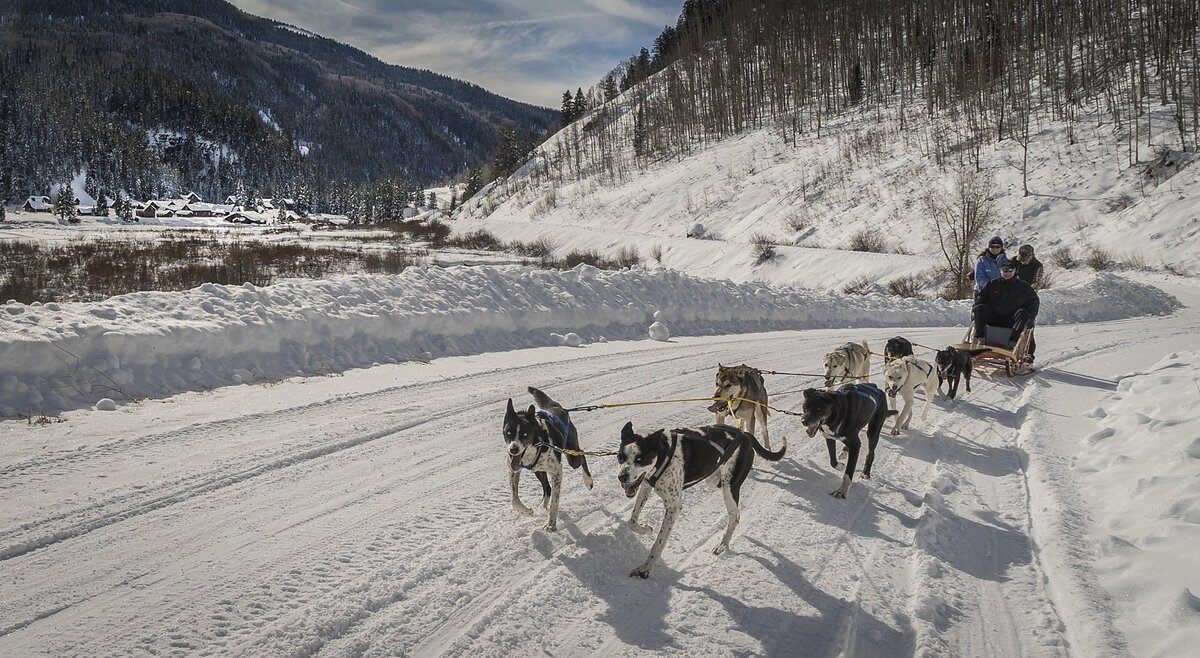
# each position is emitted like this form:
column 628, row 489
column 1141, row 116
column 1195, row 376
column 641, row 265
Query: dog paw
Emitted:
column 641, row 528
column 866, row 476
column 720, row 548
column 587, row 481
column 522, row 510
column 838, row 494
column 833, row 464
column 640, row 572
column 895, row 432
column 550, row 527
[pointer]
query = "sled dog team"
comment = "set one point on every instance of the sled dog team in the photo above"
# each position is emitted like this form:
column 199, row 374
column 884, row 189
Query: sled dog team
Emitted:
column 669, row 461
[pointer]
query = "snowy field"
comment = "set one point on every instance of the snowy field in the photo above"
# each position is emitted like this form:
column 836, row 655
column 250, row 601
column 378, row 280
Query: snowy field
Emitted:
column 367, row 514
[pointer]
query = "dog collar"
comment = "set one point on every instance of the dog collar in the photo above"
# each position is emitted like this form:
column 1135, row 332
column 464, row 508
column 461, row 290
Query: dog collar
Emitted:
column 662, row 466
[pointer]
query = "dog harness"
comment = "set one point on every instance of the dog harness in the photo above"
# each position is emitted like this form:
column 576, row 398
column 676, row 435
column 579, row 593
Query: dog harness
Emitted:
column 725, row 451
column 549, row 420
column 919, row 367
column 874, row 407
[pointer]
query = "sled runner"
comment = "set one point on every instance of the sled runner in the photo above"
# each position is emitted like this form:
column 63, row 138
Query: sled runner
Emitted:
column 996, row 351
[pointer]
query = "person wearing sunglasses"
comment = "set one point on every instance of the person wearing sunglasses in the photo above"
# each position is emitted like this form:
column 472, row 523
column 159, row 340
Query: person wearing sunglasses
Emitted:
column 1007, row 302
column 987, row 268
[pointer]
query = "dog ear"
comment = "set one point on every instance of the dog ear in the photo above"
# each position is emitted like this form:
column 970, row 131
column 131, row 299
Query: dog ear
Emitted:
column 531, row 411
column 627, row 435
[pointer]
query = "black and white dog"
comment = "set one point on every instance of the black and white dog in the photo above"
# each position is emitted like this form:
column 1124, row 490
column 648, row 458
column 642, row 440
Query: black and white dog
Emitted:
column 842, row 415
column 529, row 435
column 953, row 363
column 668, row 462
column 897, row 347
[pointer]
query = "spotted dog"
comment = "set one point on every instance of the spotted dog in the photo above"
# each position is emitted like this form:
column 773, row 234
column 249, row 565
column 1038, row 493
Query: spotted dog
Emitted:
column 849, row 363
column 668, row 462
column 842, row 415
column 528, row 435
column 746, row 383
column 903, row 377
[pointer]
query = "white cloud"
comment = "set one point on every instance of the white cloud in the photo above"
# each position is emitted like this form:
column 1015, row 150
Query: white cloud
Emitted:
column 530, row 50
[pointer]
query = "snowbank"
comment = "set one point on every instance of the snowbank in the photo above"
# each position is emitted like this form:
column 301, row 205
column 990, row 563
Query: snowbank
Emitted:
column 64, row 356
column 1142, row 474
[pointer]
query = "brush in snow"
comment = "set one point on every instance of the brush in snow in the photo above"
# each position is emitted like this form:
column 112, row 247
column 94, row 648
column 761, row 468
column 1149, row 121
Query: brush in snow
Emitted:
column 530, row 437
column 667, row 462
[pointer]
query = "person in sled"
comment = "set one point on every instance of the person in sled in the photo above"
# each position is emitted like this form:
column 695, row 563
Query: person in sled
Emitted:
column 1029, row 268
column 1006, row 302
column 987, row 268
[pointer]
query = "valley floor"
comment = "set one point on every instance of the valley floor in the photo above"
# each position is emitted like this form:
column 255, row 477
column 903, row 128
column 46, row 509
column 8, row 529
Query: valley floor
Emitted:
column 368, row 514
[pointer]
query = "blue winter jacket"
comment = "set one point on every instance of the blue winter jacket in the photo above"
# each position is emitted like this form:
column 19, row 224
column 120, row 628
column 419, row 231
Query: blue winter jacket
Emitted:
column 988, row 268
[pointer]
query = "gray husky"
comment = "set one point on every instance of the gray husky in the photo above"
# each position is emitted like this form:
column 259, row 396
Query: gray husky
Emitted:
column 746, row 383
column 529, row 435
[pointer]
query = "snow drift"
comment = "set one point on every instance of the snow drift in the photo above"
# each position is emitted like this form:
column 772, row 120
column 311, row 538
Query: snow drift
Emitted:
column 63, row 356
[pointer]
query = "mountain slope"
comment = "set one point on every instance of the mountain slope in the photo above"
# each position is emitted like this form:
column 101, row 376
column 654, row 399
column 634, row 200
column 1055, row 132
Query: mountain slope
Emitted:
column 245, row 97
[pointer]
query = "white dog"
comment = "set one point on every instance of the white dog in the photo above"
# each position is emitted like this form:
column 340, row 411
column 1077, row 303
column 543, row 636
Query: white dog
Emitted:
column 850, row 363
column 902, row 377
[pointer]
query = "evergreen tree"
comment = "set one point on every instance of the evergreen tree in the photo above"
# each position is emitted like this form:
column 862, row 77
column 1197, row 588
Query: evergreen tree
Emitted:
column 101, row 209
column 3, row 210
column 608, row 87
column 281, row 217
column 568, row 109
column 241, row 196
column 581, row 104
column 432, row 200
column 474, row 184
column 64, row 205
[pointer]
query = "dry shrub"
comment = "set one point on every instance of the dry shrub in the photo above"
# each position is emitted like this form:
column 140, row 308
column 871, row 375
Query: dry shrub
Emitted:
column 656, row 252
column 907, row 286
column 764, row 248
column 628, row 257
column 860, row 286
column 868, row 239
column 1063, row 258
column 542, row 248
column 1098, row 258
column 479, row 239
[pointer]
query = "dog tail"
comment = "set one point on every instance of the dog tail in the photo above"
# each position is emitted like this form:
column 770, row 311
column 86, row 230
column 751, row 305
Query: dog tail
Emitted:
column 542, row 400
column 767, row 454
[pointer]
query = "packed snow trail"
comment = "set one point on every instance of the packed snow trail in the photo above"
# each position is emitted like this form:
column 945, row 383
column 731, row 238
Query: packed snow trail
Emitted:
column 368, row 514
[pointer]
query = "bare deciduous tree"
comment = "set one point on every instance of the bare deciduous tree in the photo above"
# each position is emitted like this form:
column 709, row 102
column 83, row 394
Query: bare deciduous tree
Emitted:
column 958, row 223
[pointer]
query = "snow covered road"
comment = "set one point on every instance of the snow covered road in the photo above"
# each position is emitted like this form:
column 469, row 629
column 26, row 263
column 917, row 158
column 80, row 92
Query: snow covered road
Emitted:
column 368, row 514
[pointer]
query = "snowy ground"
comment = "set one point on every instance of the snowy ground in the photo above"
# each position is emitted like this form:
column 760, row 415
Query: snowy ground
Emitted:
column 367, row 514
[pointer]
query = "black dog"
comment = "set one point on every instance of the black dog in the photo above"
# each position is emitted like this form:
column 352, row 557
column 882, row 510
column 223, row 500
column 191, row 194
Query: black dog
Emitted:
column 529, row 436
column 897, row 348
column 953, row 363
column 841, row 415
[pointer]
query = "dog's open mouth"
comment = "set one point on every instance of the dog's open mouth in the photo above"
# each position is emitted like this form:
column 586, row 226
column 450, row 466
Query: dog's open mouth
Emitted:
column 812, row 430
column 632, row 487
column 514, row 461
column 718, row 406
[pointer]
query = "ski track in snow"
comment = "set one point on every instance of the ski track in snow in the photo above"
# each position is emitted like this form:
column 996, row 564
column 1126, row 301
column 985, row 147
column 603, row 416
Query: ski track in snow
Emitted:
column 378, row 522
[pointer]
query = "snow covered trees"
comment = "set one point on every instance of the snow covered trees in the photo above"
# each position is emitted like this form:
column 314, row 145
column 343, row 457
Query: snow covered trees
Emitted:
column 64, row 205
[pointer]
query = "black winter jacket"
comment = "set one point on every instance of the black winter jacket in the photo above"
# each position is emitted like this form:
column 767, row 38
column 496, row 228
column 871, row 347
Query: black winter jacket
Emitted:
column 1005, row 296
column 1030, row 272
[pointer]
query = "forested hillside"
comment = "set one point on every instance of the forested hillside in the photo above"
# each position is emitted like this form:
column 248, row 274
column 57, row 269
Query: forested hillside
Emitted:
column 158, row 97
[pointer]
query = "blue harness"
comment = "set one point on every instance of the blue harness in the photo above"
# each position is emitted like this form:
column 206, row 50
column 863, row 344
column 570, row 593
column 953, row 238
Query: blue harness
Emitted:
column 870, row 396
column 551, row 422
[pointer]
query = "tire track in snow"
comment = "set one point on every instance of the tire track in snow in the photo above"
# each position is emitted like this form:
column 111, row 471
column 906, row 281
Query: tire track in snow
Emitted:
column 209, row 484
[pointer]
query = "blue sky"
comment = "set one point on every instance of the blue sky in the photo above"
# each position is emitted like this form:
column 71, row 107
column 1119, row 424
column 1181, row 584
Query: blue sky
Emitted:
column 530, row 50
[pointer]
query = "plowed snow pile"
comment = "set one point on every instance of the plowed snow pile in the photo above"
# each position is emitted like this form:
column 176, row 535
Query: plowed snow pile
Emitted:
column 63, row 356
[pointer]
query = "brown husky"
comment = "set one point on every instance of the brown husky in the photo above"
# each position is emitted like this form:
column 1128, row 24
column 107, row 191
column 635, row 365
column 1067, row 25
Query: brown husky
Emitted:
column 746, row 383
